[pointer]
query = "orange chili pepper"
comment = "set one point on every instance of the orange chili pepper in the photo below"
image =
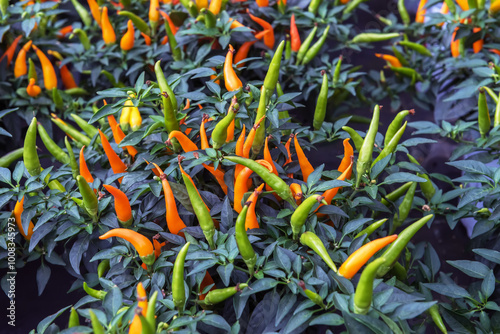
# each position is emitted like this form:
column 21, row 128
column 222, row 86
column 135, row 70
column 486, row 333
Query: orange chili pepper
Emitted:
column 136, row 324
column 219, row 176
column 294, row 35
column 289, row 154
column 171, row 24
column 231, row 80
column 207, row 281
column 251, row 136
column 239, row 150
column 464, row 4
column 495, row 51
column 269, row 37
column 262, row 3
column 215, row 6
column 455, row 45
column 420, row 16
column 305, row 165
column 241, row 186
column 357, row 259
column 84, row 170
column 201, row 4
column 296, row 191
column 108, row 33
column 157, row 246
column 477, row 46
column 348, row 152
column 444, row 8
column 20, row 67
column 64, row 31
column 33, row 90
column 390, row 59
column 329, row 194
column 230, row 132
column 213, row 76
column 95, row 11
column 203, row 134
column 9, row 53
column 142, row 245
column 66, row 76
column 243, row 53
column 122, row 205
column 235, row 24
column 154, row 14
column 251, row 218
column 127, row 41
column 186, row 143
column 49, row 74
column 147, row 39
column 118, row 135
column 174, row 221
column 18, row 210
column 116, row 163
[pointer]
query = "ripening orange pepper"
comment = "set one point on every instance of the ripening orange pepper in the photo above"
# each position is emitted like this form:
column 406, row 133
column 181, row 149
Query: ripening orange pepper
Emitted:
column 296, row 191
column 390, row 59
column 251, row 136
column 142, row 245
column 147, row 39
column 305, row 165
column 241, row 186
column 64, row 31
column 235, row 24
column 294, row 35
column 251, row 218
column 289, row 154
column 421, row 10
column 128, row 39
column 239, row 150
column 33, row 90
column 245, row 48
column 215, row 6
column 9, row 53
column 203, row 134
column 118, row 135
column 477, row 46
column 231, row 80
column 230, row 132
column 262, row 3
column 67, row 78
column 186, row 143
column 95, row 11
column 219, row 176
column 455, row 45
column 108, row 33
column 207, row 281
column 329, row 194
column 174, row 221
column 136, row 324
column 464, row 4
column 20, row 67
column 154, row 14
column 116, row 163
column 122, row 205
column 357, row 259
column 18, row 210
column 269, row 37
column 200, row 4
column 84, row 170
column 346, row 160
column 49, row 74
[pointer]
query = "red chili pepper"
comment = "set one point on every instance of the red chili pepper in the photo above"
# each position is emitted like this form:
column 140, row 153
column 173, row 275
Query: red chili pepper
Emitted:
column 64, row 31
column 10, row 50
column 294, row 35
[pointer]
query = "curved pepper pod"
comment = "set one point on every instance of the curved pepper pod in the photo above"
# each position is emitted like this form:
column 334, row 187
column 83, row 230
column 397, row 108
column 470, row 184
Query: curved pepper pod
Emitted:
column 305, row 165
column 122, row 205
column 251, row 219
column 299, row 216
column 18, row 211
column 240, row 185
column 99, row 294
column 220, row 295
column 396, row 124
column 20, row 67
column 357, row 259
column 90, row 202
column 313, row 296
column 312, row 241
column 142, row 245
column 30, row 155
column 364, row 291
column 33, row 89
column 244, row 245
column 366, row 151
column 117, row 165
column 49, row 74
column 127, row 41
column 221, row 130
column 51, row 146
column 178, row 289
column 108, row 33
column 231, row 80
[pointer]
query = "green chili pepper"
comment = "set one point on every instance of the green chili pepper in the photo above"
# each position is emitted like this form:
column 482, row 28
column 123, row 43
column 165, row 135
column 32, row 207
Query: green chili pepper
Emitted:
column 416, row 47
column 392, row 253
column 391, row 146
column 405, row 17
column 313, row 6
column 77, row 91
column 404, row 208
column 178, row 290
column 393, row 196
column 395, row 125
column 491, row 93
column 288, row 48
column 371, row 228
column 369, row 37
column 89, row 197
column 313, row 296
column 320, row 111
column 483, row 117
column 168, row 99
column 400, row 56
column 89, row 129
column 99, row 294
column 314, row 50
column 352, row 5
column 82, row 35
column 9, row 158
column 32, row 70
column 172, row 41
column 408, row 72
column 480, row 4
column 74, row 320
column 356, row 138
column 96, row 325
column 451, row 6
column 312, row 241
column 364, row 290
column 54, row 184
column 244, row 245
column 200, row 210
column 284, row 113
column 399, row 271
column 384, row 20
column 220, row 295
column 273, row 72
column 72, row 160
column 472, row 4
column 102, row 268
column 74, row 133
column 4, row 6
column 210, row 18
column 137, row 21
column 82, row 12
column 57, row 99
column 427, row 187
column 300, row 214
column 51, row 146
column 366, row 151
column 219, row 134
column 274, row 181
column 336, row 72
column 150, row 314
column 436, row 317
column 188, row 5
column 305, row 45
column 30, row 155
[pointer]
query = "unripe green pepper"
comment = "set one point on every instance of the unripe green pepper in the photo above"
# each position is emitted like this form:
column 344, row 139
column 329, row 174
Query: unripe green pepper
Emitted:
column 300, row 214
column 74, row 320
column 427, row 187
column 391, row 146
column 364, row 291
column 314, row 50
column 366, row 151
column 98, row 294
column 312, row 241
column 9, row 158
column 89, row 197
column 313, row 6
column 90, row 130
column 371, row 228
column 393, row 196
column 313, row 296
column 436, row 317
column 82, row 12
column 416, row 47
column 356, row 138
column 369, row 37
column 336, row 72
column 220, row 295
column 244, row 245
column 483, row 117
column 219, row 134
column 395, row 125
column 96, row 325
column 32, row 70
column 72, row 132
column 30, row 155
column 404, row 208
column 102, row 268
column 405, row 17
column 137, row 21
column 284, row 113
column 273, row 71
column 320, row 111
column 75, row 170
column 305, row 45
column 172, row 41
column 178, row 289
column 82, row 35
column 51, row 146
